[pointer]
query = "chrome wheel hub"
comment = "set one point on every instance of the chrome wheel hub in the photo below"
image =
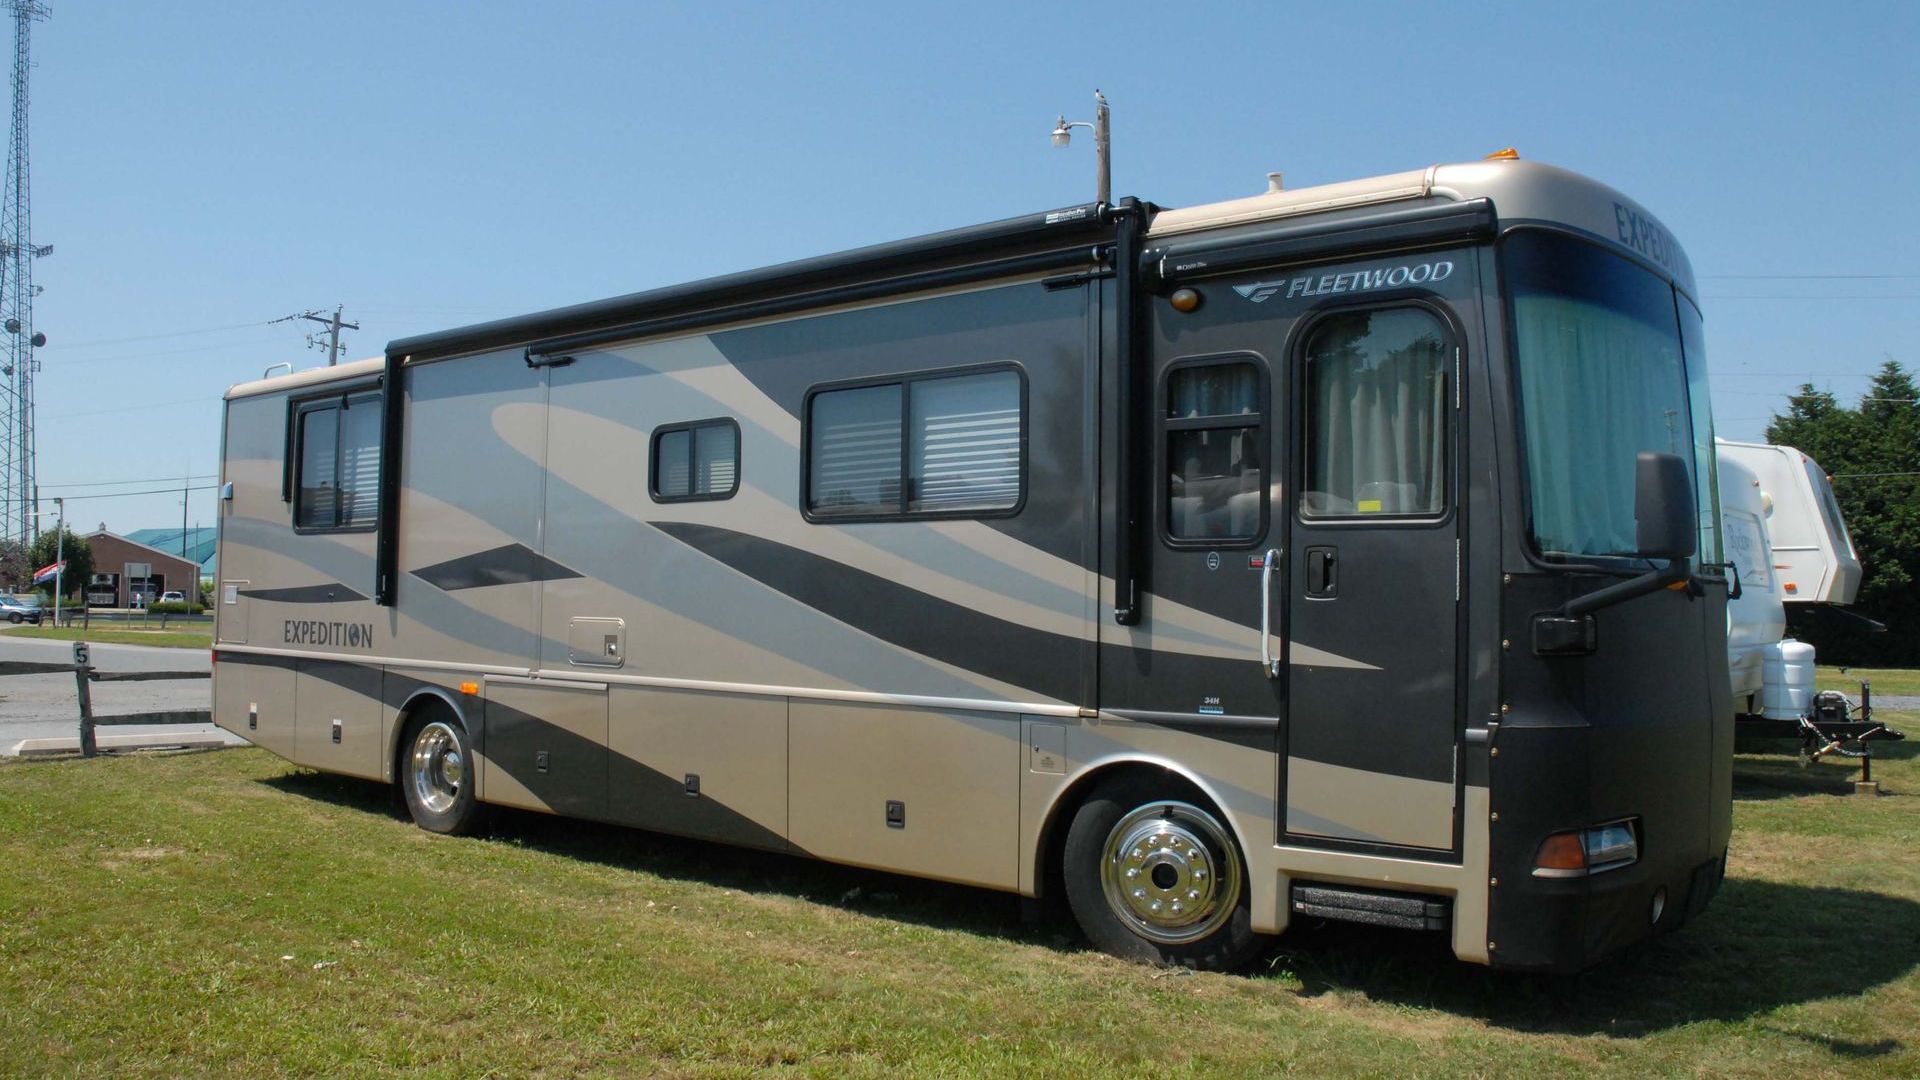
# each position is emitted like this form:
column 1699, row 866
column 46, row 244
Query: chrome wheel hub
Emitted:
column 1171, row 872
column 438, row 767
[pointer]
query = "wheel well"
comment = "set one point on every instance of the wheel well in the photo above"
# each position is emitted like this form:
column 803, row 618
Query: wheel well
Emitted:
column 1047, row 878
column 423, row 703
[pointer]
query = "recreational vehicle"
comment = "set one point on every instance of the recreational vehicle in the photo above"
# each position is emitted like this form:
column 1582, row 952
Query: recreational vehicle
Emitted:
column 1349, row 552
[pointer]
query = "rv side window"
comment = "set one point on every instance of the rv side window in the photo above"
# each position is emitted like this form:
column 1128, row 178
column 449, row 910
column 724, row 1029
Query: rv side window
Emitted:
column 1216, row 473
column 1377, row 399
column 337, row 462
column 931, row 445
column 696, row 461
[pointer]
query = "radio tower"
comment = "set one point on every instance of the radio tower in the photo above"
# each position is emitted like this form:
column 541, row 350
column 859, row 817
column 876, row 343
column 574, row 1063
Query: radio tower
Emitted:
column 17, row 252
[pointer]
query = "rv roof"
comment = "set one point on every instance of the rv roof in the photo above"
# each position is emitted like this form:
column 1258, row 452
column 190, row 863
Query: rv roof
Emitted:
column 1517, row 191
column 293, row 380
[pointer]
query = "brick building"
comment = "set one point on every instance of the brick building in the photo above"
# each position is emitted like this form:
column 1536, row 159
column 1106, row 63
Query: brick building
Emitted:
column 121, row 566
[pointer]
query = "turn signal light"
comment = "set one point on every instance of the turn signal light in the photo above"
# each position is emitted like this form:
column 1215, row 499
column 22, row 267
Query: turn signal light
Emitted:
column 469, row 687
column 1587, row 851
column 1561, row 851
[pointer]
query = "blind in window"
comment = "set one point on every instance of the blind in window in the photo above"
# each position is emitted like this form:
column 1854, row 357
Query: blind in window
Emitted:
column 670, row 467
column 359, row 461
column 854, row 451
column 319, row 446
column 716, row 458
column 965, row 442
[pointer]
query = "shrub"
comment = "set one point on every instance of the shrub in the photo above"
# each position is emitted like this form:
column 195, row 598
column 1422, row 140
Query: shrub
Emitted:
column 175, row 607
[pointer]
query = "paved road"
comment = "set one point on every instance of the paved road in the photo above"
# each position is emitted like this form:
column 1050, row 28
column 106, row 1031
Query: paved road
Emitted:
column 43, row 706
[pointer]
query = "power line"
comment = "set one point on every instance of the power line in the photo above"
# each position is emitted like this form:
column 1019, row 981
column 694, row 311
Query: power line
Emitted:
column 142, row 480
column 169, row 334
column 133, row 408
column 1867, row 475
column 128, row 494
column 1810, row 296
column 1809, row 277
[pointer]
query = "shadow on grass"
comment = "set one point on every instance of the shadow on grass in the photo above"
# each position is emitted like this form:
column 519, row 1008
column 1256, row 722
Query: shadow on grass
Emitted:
column 724, row 866
column 1760, row 946
column 1771, row 768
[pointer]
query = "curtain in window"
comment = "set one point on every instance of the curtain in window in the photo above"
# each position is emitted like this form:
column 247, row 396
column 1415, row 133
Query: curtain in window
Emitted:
column 965, row 450
column 1596, row 388
column 854, row 456
column 671, row 469
column 1377, row 400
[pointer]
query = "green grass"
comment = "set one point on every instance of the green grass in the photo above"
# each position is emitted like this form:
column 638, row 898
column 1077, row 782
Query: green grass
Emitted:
column 168, row 639
column 1885, row 680
column 230, row 914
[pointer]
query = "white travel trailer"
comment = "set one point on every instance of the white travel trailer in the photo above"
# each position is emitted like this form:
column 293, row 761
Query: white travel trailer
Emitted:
column 1812, row 552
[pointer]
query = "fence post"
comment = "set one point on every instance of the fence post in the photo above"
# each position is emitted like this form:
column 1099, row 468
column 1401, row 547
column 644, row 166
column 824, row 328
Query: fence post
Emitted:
column 81, row 672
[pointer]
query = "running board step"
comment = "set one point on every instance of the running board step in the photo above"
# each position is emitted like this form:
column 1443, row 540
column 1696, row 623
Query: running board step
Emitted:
column 1402, row 911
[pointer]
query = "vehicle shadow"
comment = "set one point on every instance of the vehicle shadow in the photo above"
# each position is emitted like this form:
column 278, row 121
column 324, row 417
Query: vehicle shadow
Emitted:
column 1771, row 769
column 703, row 862
column 1761, row 944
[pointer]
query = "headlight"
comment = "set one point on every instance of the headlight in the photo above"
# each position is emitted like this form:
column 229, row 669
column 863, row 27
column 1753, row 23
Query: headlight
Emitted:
column 1587, row 851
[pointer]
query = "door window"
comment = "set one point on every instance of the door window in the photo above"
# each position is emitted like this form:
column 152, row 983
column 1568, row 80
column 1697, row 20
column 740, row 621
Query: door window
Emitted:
column 1377, row 399
column 1216, row 474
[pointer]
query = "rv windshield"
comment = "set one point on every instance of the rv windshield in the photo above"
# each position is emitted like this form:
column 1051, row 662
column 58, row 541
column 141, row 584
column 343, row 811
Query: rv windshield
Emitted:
column 1610, row 363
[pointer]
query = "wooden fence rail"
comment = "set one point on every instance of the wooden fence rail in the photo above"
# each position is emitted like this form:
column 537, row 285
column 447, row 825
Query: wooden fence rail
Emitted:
column 84, row 675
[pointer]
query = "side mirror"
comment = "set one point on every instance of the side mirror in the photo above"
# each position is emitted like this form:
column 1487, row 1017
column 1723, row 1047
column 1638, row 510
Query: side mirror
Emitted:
column 1666, row 524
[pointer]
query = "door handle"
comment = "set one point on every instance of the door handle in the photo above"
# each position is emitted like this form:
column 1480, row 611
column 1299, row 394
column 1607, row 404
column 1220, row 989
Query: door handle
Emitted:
column 1268, row 662
column 1323, row 573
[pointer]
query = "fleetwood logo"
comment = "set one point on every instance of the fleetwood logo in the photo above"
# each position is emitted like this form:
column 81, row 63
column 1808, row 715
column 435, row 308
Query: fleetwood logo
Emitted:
column 1353, row 281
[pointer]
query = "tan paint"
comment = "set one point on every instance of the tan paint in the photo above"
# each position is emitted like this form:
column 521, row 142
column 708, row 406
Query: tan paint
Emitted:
column 321, row 702
column 1354, row 804
column 577, row 708
column 735, row 743
column 266, row 690
column 956, row 772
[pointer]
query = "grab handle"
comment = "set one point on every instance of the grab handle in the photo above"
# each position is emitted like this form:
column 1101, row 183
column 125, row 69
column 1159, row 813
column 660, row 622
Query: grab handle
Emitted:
column 1268, row 662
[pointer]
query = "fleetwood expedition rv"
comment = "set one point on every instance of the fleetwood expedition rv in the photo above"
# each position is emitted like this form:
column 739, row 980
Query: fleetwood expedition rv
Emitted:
column 1325, row 554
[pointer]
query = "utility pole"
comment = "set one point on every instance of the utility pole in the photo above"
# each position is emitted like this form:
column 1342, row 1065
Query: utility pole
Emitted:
column 334, row 326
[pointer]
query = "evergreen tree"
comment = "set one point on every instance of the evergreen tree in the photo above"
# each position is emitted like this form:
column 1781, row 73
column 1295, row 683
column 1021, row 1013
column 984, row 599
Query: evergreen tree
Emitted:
column 1872, row 453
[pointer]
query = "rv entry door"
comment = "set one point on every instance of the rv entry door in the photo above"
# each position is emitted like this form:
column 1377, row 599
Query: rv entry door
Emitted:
column 1374, row 578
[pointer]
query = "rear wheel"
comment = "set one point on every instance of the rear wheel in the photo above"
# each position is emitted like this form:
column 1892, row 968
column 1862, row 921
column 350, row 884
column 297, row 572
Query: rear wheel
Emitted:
column 14, row 616
column 436, row 776
column 1153, row 874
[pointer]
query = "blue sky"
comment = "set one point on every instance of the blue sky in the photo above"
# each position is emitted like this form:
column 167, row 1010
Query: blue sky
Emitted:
column 202, row 166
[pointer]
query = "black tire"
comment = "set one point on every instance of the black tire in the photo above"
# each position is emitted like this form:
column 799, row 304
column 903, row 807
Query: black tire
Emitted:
column 1180, row 833
column 434, row 768
column 15, row 617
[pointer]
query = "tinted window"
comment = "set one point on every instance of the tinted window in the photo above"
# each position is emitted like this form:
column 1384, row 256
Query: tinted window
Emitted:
column 1378, row 395
column 940, row 444
column 696, row 461
column 337, row 463
column 1216, row 478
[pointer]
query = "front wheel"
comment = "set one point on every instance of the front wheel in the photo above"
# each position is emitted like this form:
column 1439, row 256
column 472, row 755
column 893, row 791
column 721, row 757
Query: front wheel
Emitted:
column 436, row 776
column 1154, row 875
column 14, row 617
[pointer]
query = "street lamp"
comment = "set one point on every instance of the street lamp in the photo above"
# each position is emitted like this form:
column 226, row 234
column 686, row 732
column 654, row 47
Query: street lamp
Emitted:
column 1102, row 144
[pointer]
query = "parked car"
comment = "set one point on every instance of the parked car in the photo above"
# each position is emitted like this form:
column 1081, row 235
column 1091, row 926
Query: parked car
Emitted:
column 19, row 611
column 173, row 596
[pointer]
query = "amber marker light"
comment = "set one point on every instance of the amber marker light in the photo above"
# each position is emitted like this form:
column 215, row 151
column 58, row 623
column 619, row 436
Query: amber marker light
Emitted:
column 1185, row 300
column 1561, row 852
column 1508, row 154
column 469, row 687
